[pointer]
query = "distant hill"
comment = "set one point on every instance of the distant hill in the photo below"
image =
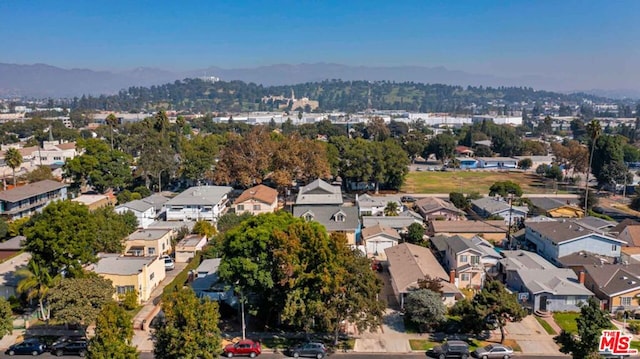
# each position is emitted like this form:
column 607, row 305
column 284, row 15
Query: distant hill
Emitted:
column 41, row 81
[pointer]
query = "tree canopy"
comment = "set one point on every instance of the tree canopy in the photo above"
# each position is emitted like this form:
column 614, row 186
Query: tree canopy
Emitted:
column 79, row 300
column 590, row 323
column 113, row 334
column 504, row 188
column 425, row 308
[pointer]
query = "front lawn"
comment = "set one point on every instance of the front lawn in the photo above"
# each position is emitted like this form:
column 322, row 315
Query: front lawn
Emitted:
column 567, row 321
column 546, row 326
column 422, row 344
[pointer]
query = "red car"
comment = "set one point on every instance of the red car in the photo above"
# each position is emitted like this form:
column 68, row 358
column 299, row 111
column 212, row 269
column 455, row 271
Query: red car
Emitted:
column 246, row 347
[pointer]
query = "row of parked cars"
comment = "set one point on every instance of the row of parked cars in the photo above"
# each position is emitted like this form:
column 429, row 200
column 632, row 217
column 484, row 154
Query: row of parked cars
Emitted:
column 460, row 349
column 252, row 349
column 59, row 347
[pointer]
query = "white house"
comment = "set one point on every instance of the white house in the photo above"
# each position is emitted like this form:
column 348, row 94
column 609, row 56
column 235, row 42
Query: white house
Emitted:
column 378, row 238
column 145, row 212
column 374, row 206
column 198, row 203
column 188, row 246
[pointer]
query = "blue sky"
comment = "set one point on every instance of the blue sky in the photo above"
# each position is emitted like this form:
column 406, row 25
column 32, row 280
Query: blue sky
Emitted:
column 560, row 38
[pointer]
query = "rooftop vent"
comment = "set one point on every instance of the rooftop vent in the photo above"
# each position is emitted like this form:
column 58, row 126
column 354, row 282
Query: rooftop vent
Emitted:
column 624, row 277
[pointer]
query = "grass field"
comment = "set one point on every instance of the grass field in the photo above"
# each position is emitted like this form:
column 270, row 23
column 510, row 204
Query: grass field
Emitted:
column 566, row 321
column 546, row 326
column 473, row 181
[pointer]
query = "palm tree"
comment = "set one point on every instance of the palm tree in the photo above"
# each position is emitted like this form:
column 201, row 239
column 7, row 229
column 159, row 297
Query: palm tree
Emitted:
column 391, row 209
column 35, row 282
column 13, row 159
column 111, row 121
column 594, row 130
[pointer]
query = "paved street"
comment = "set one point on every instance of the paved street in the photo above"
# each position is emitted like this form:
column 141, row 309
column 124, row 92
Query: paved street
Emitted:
column 337, row 355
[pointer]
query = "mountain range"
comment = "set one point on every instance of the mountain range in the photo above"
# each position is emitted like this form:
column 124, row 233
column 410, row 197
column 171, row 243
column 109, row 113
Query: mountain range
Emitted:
column 46, row 81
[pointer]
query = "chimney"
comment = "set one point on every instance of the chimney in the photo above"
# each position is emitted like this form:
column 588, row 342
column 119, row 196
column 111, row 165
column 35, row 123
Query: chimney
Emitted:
column 452, row 276
column 581, row 277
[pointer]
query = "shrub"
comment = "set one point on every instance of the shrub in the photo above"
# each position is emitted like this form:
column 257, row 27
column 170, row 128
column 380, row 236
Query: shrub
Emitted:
column 129, row 301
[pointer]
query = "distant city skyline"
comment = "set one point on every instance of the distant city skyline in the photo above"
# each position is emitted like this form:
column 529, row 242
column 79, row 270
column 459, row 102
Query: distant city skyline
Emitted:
column 584, row 44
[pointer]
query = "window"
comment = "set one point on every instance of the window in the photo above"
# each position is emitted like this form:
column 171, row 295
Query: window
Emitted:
column 570, row 300
column 124, row 289
column 308, row 217
column 152, row 251
column 614, row 247
column 57, row 158
column 151, row 276
column 256, row 207
column 240, row 207
column 465, row 277
column 43, row 158
column 625, row 301
column 463, row 259
column 475, row 260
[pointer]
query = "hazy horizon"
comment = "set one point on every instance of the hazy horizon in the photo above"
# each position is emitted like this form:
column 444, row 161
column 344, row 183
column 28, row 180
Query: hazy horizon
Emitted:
column 580, row 45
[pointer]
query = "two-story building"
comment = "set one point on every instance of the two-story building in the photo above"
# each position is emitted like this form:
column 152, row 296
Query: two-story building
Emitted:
column 319, row 192
column 493, row 230
column 256, row 200
column 556, row 239
column 374, row 205
column 616, row 285
column 24, row 201
column 198, row 203
column 145, row 212
column 149, row 242
column 338, row 219
column 140, row 274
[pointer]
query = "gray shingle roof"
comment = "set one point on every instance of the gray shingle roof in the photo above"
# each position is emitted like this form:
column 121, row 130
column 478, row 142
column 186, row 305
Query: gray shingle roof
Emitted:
column 121, row 265
column 595, row 223
column 395, row 222
column 548, row 203
column 327, row 215
column 494, row 205
column 431, row 204
column 558, row 281
column 200, row 195
column 519, row 259
column 366, row 200
column 613, row 279
column 136, row 205
column 319, row 192
column 563, row 231
column 33, row 189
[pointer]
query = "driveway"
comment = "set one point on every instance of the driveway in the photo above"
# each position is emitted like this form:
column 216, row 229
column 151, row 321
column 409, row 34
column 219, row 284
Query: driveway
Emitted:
column 531, row 337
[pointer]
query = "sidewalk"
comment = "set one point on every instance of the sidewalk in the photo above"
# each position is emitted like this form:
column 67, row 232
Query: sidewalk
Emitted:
column 142, row 320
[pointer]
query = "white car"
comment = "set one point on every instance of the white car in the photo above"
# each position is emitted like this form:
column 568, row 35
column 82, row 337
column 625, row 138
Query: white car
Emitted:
column 169, row 264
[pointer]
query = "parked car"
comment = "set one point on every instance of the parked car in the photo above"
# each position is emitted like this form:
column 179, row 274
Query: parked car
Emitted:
column 313, row 350
column 408, row 199
column 493, row 351
column 246, row 347
column 451, row 349
column 30, row 346
column 169, row 264
column 71, row 347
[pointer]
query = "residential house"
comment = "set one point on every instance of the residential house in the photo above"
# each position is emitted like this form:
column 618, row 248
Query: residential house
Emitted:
column 400, row 222
column 145, row 212
column 206, row 283
column 464, row 151
column 336, row 219
column 374, row 205
column 466, row 260
column 630, row 235
column 554, row 240
column 630, row 255
column 187, row 248
column 24, row 201
column 616, row 285
column 378, row 238
column 556, row 208
column 149, row 242
column 493, row 207
column 198, row 203
column 596, row 224
column 12, row 246
column 618, row 228
column 434, row 208
column 409, row 263
column 495, row 231
column 540, row 285
column 497, row 162
column 157, row 201
column 577, row 261
column 95, row 201
column 319, row 193
column 256, row 200
column 142, row 274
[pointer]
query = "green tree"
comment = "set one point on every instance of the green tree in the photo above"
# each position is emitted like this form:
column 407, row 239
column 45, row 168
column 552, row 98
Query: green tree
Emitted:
column 591, row 200
column 230, row 220
column 458, row 200
column 13, row 159
column 111, row 229
column 6, row 317
column 79, row 300
column 204, row 228
column 425, row 308
column 415, row 234
column 4, row 228
column 504, row 188
column 442, row 145
column 391, row 209
column 590, row 323
column 41, row 173
column 113, row 334
column 190, row 328
column 493, row 301
column 525, row 163
column 112, row 121
column 35, row 281
column 61, row 238
column 554, row 172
